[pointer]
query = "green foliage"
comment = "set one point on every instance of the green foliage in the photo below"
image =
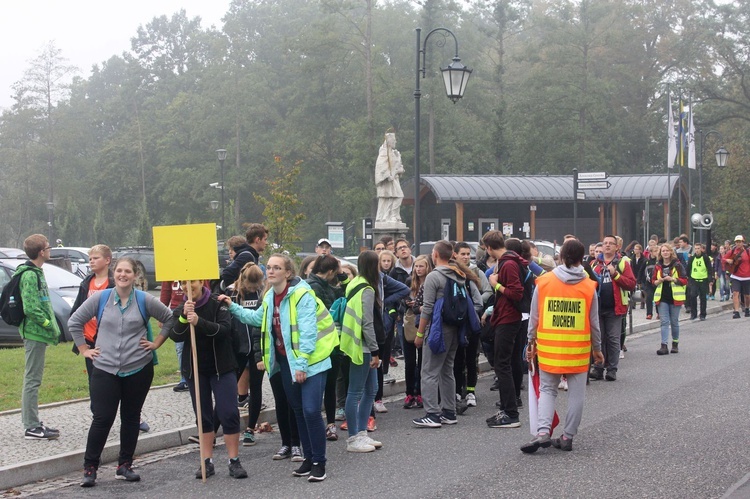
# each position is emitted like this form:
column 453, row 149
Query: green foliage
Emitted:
column 282, row 207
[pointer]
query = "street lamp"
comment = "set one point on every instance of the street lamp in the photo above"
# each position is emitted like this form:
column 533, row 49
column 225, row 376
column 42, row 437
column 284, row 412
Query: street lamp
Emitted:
column 722, row 156
column 222, row 154
column 51, row 210
column 455, row 79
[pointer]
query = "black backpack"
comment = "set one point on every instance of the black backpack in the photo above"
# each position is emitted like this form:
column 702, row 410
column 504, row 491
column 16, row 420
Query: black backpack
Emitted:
column 455, row 303
column 11, row 303
column 528, row 279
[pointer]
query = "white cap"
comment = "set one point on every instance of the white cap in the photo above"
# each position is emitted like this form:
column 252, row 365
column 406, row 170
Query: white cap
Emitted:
column 324, row 240
column 739, row 237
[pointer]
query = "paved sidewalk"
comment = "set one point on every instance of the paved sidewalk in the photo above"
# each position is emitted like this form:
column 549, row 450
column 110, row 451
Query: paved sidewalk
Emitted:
column 169, row 415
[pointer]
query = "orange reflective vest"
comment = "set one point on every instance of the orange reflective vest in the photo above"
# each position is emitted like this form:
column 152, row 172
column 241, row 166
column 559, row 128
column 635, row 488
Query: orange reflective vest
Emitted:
column 564, row 332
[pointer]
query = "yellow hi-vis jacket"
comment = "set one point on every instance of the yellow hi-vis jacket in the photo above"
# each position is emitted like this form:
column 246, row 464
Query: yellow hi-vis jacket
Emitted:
column 351, row 326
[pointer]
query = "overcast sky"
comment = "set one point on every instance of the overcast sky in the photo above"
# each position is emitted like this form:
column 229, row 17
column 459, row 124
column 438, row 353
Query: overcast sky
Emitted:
column 86, row 31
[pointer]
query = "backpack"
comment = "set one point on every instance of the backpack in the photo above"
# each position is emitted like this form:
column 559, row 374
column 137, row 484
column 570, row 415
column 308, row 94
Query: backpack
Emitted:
column 11, row 303
column 140, row 300
column 528, row 280
column 455, row 303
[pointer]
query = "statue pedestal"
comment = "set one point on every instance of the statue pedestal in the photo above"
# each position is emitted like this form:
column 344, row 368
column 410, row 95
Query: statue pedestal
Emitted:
column 394, row 229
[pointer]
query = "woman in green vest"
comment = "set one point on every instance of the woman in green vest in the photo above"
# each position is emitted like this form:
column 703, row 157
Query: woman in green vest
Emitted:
column 670, row 281
column 359, row 343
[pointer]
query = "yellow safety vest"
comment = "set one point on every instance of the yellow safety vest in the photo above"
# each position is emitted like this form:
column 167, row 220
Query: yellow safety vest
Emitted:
column 678, row 290
column 698, row 270
column 351, row 326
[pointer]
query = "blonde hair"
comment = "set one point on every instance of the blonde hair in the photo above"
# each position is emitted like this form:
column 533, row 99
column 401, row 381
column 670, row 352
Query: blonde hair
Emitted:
column 102, row 249
column 417, row 281
column 250, row 276
column 672, row 252
column 387, row 253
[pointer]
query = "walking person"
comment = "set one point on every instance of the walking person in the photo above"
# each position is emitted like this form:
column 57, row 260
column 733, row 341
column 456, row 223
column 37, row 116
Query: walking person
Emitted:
column 670, row 280
column 563, row 332
column 700, row 273
column 303, row 337
column 646, row 275
column 738, row 259
column 123, row 365
column 361, row 324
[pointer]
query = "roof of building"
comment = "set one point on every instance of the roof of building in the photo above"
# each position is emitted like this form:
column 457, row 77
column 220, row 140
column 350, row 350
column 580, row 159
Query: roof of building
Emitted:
column 485, row 188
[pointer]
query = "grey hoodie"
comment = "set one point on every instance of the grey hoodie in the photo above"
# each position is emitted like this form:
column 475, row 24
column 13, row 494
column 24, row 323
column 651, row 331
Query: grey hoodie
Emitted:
column 567, row 275
column 434, row 284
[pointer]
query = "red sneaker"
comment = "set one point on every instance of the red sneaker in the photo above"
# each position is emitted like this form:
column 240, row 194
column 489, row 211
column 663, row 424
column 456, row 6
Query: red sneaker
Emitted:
column 371, row 426
column 393, row 362
column 344, row 426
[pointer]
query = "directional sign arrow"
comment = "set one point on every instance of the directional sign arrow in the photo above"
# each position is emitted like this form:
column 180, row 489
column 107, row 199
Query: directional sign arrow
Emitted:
column 585, row 186
column 592, row 176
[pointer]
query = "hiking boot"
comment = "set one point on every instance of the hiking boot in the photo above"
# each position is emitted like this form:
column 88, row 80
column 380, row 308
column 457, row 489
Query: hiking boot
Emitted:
column 428, row 421
column 41, row 432
column 248, row 438
column 448, row 418
column 596, row 374
column 471, row 399
column 332, row 432
column 502, row 420
column 379, row 406
column 304, row 468
column 89, row 476
column 561, row 443
column 663, row 350
column 364, row 436
column 317, row 473
column 125, row 472
column 541, row 440
column 235, row 469
column 735, row 315
column 356, row 443
column 210, row 470
column 611, row 376
column 297, row 456
column 674, row 347
column 283, row 453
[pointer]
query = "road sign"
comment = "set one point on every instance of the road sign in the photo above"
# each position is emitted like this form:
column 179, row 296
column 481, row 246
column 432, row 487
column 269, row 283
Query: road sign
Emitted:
column 585, row 186
column 592, row 176
column 581, row 195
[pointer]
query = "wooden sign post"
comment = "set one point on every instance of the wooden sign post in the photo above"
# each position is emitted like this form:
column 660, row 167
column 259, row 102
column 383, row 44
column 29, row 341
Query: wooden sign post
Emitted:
column 186, row 253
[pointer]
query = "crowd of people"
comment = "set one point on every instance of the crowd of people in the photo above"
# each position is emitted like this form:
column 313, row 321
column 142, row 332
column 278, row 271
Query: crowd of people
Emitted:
column 328, row 334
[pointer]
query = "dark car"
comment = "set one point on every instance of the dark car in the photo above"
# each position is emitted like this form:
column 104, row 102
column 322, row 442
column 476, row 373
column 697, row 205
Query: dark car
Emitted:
column 145, row 257
column 63, row 289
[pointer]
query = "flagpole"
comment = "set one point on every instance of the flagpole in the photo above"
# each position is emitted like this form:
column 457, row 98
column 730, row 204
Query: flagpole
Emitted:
column 690, row 147
column 680, row 150
column 670, row 159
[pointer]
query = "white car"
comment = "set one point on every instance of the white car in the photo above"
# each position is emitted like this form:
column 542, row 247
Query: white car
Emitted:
column 79, row 258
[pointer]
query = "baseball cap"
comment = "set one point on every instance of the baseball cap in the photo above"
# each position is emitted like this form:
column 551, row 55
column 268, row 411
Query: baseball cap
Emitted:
column 739, row 237
column 323, row 240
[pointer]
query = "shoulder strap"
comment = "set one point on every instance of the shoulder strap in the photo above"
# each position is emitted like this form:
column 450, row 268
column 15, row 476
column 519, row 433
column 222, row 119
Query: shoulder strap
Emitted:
column 351, row 292
column 140, row 299
column 102, row 303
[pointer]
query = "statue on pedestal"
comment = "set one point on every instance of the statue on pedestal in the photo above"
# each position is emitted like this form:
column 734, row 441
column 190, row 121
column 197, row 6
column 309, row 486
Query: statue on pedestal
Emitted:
column 388, row 170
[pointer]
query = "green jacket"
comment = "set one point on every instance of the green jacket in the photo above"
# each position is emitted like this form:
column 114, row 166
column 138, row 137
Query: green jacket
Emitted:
column 40, row 323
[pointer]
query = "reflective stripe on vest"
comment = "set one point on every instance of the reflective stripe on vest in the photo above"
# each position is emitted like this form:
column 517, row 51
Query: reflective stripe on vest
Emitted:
column 564, row 332
column 351, row 326
column 699, row 272
column 327, row 338
column 678, row 290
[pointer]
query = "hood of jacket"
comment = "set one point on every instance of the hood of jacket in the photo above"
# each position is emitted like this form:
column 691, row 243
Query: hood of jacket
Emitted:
column 512, row 255
column 572, row 275
column 452, row 272
column 28, row 264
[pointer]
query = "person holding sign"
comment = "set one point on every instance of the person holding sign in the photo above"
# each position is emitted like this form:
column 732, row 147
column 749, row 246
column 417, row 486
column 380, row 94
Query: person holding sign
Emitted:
column 123, row 364
column 297, row 338
column 563, row 329
column 217, row 371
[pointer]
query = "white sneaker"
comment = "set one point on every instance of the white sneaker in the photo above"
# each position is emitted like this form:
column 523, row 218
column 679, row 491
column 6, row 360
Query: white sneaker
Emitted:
column 563, row 384
column 356, row 444
column 622, row 354
column 380, row 406
column 365, row 437
column 458, row 397
column 471, row 400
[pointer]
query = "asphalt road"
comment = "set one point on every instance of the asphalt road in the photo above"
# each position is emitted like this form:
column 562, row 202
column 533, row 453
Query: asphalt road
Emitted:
column 673, row 426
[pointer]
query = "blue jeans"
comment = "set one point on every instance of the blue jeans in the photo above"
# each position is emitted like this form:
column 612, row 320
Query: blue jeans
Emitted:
column 305, row 400
column 178, row 346
column 669, row 314
column 363, row 384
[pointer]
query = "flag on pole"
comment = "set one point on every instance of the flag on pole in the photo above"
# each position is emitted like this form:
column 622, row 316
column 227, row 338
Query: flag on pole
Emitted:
column 671, row 140
column 682, row 135
column 534, row 401
column 691, row 139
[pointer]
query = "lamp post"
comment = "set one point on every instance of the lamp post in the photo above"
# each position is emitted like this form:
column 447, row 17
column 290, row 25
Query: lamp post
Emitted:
column 722, row 155
column 214, row 206
column 222, row 154
column 51, row 213
column 455, row 78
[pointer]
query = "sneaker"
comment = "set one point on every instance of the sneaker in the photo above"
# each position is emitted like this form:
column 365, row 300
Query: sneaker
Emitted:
column 409, row 402
column 210, row 470
column 459, row 398
column 703, row 318
column 735, row 315
column 317, row 473
column 563, row 384
column 193, row 439
column 393, row 362
column 49, row 428
column 243, row 402
column 622, row 354
column 380, row 406
column 371, row 425
column 344, row 426
column 144, row 427
column 235, row 469
column 297, row 456
column 495, row 386
column 471, row 399
column 89, row 476
column 694, row 318
column 519, row 402
column 125, row 472
column 596, row 375
column 340, row 414
column 331, row 432
column 675, row 348
column 428, row 421
column 248, row 438
column 357, row 444
column 611, row 376
column 283, row 453
column 420, row 403
column 663, row 350
column 561, row 443
column 747, row 312
column 542, row 440
column 41, row 432
column 388, row 379
column 364, row 436
column 448, row 418
column 649, row 317
column 499, row 413
column 304, row 468
column 502, row 420
column 182, row 386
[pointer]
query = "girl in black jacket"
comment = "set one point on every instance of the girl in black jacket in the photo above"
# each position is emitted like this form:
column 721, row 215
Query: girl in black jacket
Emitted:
column 216, row 370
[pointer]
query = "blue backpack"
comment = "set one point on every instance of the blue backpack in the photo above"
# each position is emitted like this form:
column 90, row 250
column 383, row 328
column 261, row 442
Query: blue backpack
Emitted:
column 140, row 300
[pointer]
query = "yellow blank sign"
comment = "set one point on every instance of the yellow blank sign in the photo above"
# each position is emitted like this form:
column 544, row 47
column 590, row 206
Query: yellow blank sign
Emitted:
column 186, row 252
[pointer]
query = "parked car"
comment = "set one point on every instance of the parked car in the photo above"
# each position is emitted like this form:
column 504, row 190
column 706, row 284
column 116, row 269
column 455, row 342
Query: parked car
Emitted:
column 547, row 248
column 79, row 258
column 145, row 257
column 63, row 289
column 12, row 253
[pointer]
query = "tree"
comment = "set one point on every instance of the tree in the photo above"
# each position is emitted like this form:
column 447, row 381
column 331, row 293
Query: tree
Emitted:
column 282, row 207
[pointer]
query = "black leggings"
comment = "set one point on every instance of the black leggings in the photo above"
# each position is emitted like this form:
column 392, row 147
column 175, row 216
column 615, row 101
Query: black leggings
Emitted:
column 108, row 392
column 256, row 394
column 329, row 395
column 223, row 408
column 284, row 416
column 466, row 358
column 412, row 368
column 517, row 361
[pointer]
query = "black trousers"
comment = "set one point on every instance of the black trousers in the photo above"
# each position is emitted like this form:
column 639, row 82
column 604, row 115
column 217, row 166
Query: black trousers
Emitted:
column 108, row 392
column 517, row 362
column 465, row 368
column 698, row 289
column 505, row 340
column 412, row 368
column 329, row 395
column 284, row 416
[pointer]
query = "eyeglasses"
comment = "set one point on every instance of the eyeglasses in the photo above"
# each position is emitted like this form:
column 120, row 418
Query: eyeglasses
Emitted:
column 47, row 248
column 402, row 248
column 275, row 268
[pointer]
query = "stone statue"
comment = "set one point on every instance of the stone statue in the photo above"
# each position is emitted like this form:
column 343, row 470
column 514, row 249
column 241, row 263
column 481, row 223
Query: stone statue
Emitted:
column 388, row 169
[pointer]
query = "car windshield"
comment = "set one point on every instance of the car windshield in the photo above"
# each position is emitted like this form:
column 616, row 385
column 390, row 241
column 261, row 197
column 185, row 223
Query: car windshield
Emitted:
column 55, row 276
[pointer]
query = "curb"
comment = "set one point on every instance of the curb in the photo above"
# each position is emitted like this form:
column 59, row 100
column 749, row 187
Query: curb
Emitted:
column 69, row 462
